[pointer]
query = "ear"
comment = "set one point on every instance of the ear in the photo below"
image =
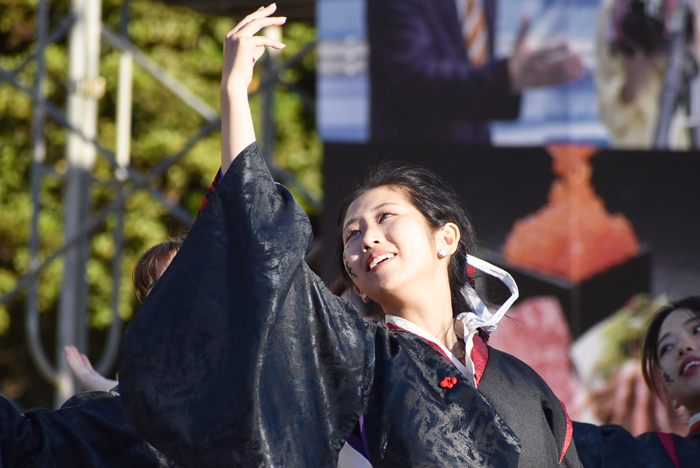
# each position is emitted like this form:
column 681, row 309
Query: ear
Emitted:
column 357, row 290
column 364, row 297
column 447, row 237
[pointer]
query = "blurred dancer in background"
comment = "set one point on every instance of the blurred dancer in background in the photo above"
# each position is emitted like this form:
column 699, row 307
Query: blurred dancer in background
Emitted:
column 91, row 429
column 671, row 368
column 632, row 55
column 148, row 270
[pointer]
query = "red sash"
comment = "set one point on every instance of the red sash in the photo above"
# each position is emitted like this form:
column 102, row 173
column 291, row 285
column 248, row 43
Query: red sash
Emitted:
column 669, row 446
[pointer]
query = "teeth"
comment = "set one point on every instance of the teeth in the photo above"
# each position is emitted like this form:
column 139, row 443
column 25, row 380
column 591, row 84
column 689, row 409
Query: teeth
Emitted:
column 379, row 259
column 691, row 364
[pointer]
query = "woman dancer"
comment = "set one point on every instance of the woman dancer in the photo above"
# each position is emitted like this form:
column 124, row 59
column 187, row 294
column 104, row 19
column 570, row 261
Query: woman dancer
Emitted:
column 91, row 429
column 149, row 268
column 671, row 369
column 254, row 362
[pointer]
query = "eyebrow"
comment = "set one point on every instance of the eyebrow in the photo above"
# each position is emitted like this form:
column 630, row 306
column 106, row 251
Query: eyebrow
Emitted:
column 694, row 318
column 374, row 209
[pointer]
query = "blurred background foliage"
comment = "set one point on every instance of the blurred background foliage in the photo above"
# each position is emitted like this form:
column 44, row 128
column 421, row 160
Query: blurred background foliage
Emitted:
column 187, row 45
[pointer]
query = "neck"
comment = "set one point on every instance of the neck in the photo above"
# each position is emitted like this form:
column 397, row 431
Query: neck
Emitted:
column 431, row 311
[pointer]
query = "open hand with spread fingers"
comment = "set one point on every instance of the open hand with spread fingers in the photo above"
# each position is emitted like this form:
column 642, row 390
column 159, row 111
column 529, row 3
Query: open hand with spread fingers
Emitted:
column 82, row 369
column 242, row 48
column 547, row 66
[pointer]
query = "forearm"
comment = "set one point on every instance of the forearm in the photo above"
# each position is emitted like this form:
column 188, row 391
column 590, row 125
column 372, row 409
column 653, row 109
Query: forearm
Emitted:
column 237, row 131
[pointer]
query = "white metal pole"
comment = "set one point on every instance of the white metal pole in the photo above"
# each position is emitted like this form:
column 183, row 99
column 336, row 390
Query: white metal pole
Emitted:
column 84, row 90
column 124, row 93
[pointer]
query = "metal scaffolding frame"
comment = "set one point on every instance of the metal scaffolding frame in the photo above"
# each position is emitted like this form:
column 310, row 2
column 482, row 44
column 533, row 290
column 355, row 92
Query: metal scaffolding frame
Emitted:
column 85, row 31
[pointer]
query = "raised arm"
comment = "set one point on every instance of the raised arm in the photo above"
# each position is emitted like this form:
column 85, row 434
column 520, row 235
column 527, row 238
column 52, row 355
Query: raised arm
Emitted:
column 240, row 356
column 82, row 369
column 242, row 49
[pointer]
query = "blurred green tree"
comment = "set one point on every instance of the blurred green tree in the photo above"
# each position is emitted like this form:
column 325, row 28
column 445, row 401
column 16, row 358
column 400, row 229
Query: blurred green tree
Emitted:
column 187, row 45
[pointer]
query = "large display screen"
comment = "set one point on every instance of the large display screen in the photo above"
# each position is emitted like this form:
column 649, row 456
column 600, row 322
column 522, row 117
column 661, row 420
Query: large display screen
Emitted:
column 611, row 73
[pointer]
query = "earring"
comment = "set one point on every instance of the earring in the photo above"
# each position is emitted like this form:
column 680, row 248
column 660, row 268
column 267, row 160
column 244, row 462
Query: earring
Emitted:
column 442, row 253
column 364, row 297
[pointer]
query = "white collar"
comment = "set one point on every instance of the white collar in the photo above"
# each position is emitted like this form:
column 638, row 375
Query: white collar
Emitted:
column 695, row 418
column 416, row 330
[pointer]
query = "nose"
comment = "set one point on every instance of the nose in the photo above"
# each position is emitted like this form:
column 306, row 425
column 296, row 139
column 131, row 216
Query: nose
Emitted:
column 686, row 346
column 372, row 237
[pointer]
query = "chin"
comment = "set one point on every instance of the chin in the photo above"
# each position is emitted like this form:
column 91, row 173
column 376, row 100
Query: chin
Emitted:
column 690, row 401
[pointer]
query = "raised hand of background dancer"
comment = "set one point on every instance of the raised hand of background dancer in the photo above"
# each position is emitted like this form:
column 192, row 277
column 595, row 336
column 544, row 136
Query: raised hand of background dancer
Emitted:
column 81, row 368
column 242, row 48
column 547, row 66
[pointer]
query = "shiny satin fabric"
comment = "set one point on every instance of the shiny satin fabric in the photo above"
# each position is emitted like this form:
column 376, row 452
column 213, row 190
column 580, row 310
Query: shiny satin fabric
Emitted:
column 90, row 430
column 241, row 356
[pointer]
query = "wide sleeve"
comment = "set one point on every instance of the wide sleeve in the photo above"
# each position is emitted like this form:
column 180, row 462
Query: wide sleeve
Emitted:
column 611, row 446
column 418, row 64
column 90, row 430
column 241, row 356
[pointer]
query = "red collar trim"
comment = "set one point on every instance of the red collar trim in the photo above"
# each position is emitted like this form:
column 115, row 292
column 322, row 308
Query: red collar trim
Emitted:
column 479, row 354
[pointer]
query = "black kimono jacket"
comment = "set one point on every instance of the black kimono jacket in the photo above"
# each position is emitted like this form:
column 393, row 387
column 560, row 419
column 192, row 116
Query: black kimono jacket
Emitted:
column 241, row 356
column 612, row 446
column 90, row 430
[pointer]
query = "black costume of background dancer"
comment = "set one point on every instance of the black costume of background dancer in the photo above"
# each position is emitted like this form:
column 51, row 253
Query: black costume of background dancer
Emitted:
column 90, row 430
column 241, row 356
column 612, row 446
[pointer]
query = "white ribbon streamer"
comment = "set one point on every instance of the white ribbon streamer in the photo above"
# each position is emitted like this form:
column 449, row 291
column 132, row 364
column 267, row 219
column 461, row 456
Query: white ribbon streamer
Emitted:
column 482, row 317
column 693, row 420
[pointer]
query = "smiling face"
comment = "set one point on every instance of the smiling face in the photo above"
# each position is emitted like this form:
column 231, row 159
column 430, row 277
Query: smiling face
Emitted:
column 389, row 250
column 678, row 353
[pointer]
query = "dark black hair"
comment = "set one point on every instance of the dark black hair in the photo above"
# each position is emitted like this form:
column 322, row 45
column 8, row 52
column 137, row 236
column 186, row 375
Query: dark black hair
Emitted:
column 650, row 356
column 640, row 30
column 439, row 205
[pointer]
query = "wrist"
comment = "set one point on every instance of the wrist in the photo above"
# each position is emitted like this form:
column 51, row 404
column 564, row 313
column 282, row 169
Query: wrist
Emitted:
column 232, row 90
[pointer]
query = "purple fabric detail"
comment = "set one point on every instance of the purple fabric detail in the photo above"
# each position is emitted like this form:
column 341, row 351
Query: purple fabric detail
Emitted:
column 365, row 444
column 358, row 439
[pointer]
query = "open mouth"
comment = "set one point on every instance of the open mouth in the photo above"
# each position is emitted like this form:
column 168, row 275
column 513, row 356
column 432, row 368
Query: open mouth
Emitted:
column 379, row 259
column 689, row 364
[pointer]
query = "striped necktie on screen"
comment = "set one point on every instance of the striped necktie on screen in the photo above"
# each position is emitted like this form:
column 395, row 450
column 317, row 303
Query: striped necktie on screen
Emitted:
column 475, row 33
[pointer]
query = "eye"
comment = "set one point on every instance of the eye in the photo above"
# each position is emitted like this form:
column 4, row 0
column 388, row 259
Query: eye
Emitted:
column 384, row 216
column 351, row 234
column 696, row 329
column 665, row 348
